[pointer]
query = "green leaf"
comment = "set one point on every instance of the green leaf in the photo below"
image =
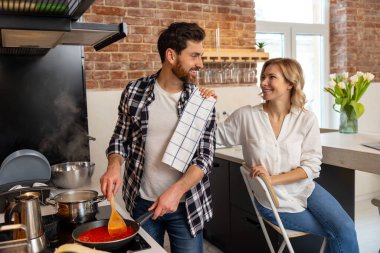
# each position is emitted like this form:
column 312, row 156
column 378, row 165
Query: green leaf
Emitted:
column 358, row 108
column 338, row 101
column 363, row 90
column 338, row 91
column 344, row 102
column 329, row 90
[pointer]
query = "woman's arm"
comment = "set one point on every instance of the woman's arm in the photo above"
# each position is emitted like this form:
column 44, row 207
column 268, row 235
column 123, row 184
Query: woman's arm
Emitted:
column 291, row 176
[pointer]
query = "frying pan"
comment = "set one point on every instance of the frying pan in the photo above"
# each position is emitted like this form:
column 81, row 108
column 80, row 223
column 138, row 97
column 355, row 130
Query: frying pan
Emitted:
column 110, row 245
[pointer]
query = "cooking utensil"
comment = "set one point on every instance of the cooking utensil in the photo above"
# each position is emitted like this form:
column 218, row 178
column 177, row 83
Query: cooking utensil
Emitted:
column 111, row 245
column 116, row 224
column 26, row 210
column 76, row 206
column 71, row 175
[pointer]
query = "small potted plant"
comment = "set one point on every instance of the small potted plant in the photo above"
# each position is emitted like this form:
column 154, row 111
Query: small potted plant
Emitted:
column 260, row 46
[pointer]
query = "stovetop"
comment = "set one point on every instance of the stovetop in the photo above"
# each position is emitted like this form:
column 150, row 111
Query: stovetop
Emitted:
column 58, row 233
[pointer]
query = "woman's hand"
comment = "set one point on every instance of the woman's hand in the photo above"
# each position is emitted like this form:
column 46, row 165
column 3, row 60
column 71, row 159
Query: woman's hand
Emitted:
column 205, row 92
column 259, row 169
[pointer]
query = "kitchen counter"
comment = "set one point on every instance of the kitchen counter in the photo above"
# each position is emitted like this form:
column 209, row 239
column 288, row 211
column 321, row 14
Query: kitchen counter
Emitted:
column 342, row 150
column 347, row 151
column 45, row 210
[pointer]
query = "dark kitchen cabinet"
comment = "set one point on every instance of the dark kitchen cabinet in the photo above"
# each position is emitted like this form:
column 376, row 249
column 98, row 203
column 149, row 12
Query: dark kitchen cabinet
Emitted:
column 218, row 230
column 234, row 227
column 246, row 233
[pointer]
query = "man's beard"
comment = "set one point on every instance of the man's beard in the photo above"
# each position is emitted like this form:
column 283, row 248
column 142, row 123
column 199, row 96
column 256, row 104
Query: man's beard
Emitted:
column 182, row 74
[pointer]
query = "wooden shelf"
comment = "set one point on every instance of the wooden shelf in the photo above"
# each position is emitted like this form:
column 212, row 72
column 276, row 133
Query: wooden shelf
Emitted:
column 232, row 55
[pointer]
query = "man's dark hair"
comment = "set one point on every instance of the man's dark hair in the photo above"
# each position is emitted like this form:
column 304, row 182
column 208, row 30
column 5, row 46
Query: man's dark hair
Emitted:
column 177, row 35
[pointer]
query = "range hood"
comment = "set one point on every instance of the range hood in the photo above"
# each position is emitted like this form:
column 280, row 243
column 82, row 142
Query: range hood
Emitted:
column 34, row 27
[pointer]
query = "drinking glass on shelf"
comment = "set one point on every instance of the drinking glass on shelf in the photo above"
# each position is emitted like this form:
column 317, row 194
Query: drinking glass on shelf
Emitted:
column 227, row 70
column 217, row 72
column 236, row 71
column 244, row 76
column 207, row 74
column 251, row 72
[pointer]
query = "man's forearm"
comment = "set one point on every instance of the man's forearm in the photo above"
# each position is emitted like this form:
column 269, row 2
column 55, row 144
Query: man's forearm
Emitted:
column 192, row 176
column 115, row 159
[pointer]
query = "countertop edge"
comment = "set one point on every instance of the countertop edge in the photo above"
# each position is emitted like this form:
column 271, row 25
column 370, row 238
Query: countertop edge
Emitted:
column 339, row 150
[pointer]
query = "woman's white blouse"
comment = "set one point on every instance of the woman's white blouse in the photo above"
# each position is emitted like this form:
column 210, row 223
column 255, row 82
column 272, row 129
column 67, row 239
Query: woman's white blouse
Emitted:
column 298, row 145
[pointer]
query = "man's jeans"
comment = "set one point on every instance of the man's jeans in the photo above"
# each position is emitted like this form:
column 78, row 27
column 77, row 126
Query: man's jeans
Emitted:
column 175, row 224
column 323, row 216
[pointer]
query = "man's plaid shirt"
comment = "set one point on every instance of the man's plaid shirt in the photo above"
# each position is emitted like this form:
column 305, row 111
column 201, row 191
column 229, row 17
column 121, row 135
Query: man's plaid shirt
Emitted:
column 129, row 140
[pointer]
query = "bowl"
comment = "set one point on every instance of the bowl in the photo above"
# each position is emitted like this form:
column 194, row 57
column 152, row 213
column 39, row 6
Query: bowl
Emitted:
column 71, row 175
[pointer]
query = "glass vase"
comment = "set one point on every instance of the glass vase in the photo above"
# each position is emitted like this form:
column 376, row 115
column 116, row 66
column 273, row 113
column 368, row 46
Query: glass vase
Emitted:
column 348, row 122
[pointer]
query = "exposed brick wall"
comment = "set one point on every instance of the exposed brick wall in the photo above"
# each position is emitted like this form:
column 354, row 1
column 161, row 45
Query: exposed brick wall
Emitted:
column 355, row 36
column 137, row 55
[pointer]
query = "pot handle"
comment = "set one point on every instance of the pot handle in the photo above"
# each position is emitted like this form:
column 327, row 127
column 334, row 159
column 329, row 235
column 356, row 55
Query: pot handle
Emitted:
column 50, row 201
column 140, row 220
column 99, row 199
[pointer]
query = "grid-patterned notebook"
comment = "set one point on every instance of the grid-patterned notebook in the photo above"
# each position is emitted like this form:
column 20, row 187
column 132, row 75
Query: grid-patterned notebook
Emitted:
column 184, row 141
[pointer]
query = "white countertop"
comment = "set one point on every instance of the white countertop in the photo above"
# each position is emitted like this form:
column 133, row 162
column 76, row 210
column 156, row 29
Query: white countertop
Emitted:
column 342, row 150
column 45, row 210
column 347, row 151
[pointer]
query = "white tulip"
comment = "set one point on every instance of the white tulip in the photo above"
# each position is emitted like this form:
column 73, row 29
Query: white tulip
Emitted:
column 359, row 73
column 345, row 75
column 332, row 76
column 354, row 79
column 331, row 84
column 342, row 85
column 368, row 76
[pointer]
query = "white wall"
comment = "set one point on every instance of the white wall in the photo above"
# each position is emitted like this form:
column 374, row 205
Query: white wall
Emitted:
column 367, row 184
column 102, row 115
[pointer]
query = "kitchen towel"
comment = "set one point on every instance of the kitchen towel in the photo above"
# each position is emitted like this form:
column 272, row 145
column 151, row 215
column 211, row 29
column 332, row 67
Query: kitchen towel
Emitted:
column 191, row 125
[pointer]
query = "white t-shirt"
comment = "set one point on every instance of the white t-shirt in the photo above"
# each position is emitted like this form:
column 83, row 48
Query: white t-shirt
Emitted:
column 298, row 145
column 163, row 119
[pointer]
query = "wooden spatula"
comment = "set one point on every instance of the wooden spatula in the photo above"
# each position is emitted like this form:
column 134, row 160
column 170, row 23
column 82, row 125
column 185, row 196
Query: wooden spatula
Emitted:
column 116, row 224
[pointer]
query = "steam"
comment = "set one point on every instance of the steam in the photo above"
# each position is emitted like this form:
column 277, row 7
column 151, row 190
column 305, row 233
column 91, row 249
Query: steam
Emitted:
column 69, row 139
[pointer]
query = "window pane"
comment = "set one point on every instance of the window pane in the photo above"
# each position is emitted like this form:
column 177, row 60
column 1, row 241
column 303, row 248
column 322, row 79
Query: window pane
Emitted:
column 309, row 53
column 291, row 11
column 275, row 48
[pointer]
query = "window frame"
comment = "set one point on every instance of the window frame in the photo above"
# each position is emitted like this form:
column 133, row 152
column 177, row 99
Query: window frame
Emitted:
column 290, row 30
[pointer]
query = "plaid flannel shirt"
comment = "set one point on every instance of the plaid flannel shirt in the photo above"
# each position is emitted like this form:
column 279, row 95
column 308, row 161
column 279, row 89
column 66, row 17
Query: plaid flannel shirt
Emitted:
column 129, row 140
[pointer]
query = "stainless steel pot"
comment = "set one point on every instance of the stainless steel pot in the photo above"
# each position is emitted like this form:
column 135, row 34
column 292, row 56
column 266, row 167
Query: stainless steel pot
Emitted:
column 71, row 175
column 76, row 206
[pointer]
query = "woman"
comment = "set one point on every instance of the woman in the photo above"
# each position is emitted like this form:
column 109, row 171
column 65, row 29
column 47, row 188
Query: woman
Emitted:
column 281, row 139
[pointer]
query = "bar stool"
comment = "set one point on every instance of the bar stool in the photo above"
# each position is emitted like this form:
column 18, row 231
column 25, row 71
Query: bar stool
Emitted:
column 259, row 186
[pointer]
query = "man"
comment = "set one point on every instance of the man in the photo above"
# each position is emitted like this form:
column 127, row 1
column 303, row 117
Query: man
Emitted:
column 149, row 111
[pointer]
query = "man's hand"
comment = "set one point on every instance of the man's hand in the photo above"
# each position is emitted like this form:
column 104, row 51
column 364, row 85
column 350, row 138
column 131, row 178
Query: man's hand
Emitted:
column 110, row 181
column 169, row 200
column 166, row 203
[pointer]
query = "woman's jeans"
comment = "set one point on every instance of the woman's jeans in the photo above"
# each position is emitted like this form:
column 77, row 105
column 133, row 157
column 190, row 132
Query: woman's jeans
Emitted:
column 323, row 216
column 176, row 226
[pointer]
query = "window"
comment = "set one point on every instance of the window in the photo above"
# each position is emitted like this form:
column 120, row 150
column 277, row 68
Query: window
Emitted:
column 301, row 35
column 312, row 11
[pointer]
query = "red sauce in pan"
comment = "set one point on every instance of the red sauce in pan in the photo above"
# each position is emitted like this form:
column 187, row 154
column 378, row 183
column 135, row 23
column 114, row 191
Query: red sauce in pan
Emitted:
column 101, row 234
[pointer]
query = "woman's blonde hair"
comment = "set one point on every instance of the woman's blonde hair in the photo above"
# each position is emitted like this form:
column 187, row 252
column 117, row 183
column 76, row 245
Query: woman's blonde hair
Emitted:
column 293, row 74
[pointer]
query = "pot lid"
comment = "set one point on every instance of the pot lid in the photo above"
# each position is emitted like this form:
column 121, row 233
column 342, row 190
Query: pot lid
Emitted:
column 24, row 165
